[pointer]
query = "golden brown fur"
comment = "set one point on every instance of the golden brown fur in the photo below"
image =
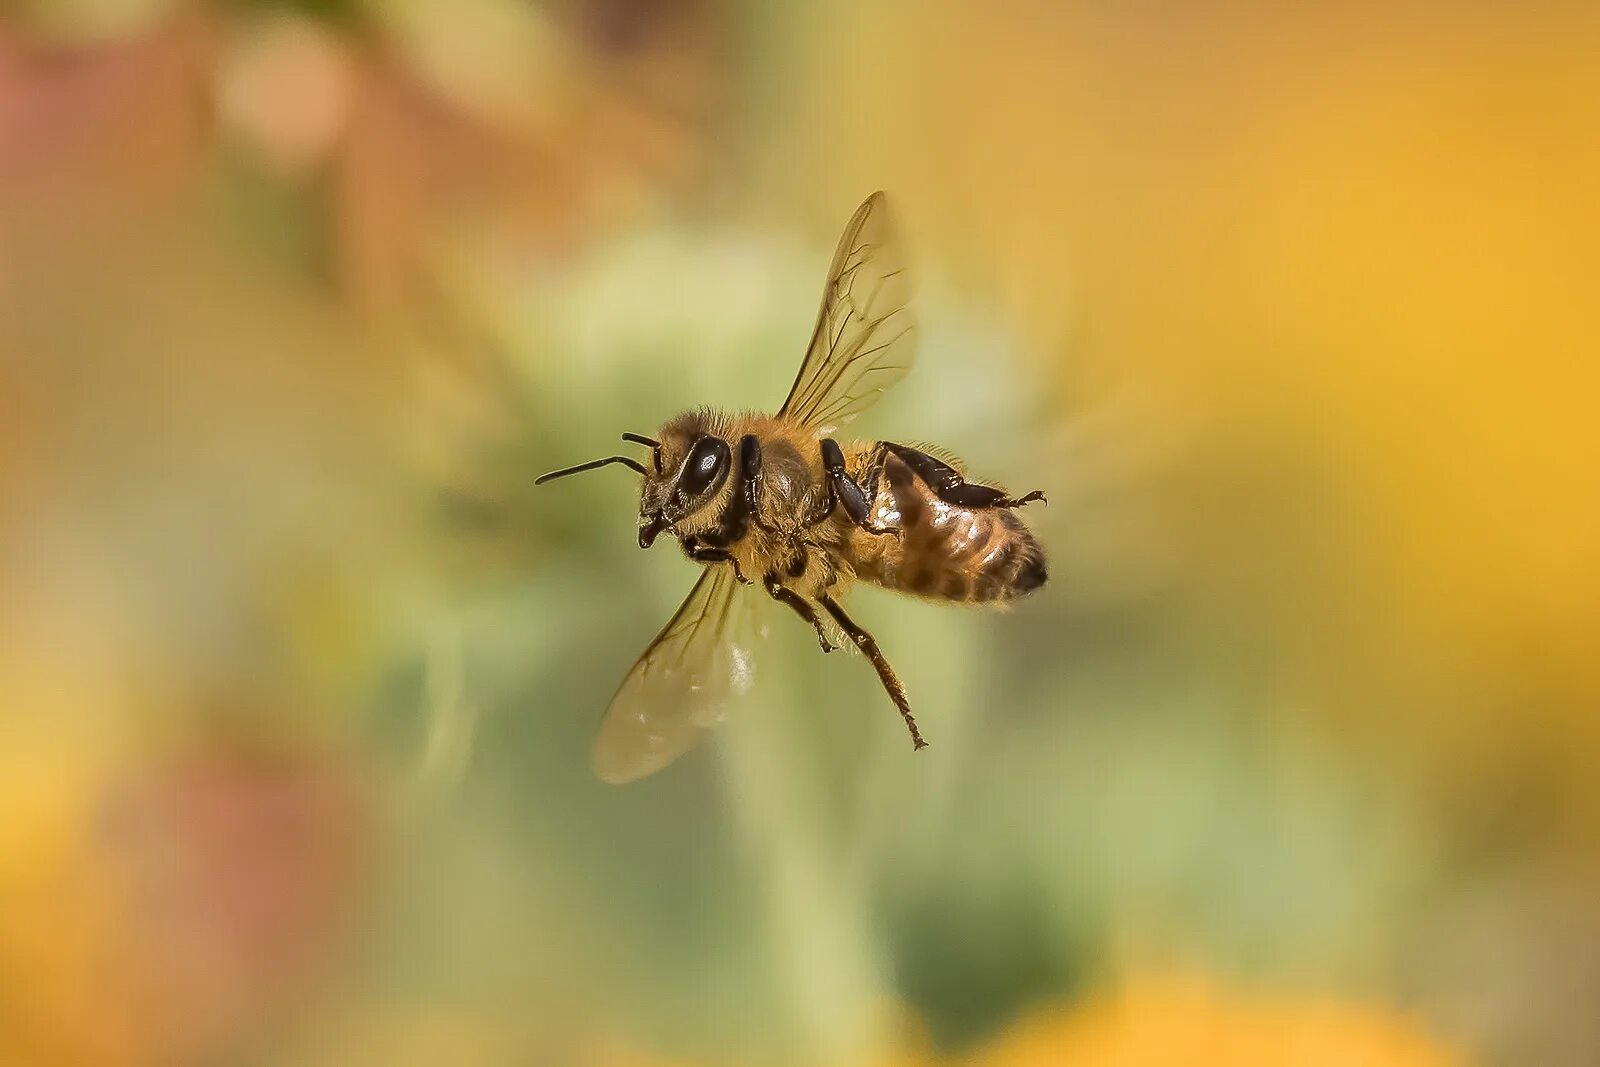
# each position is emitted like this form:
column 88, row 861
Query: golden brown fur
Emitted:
column 942, row 551
column 945, row 552
column 772, row 499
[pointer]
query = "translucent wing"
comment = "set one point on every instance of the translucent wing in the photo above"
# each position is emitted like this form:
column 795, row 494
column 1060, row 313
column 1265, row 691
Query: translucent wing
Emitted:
column 865, row 340
column 698, row 664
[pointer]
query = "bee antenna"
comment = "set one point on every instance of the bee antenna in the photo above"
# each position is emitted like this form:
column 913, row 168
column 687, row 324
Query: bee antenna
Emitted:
column 591, row 465
column 655, row 447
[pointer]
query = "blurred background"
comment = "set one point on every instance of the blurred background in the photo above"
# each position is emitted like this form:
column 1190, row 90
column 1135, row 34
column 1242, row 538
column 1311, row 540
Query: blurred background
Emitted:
column 1290, row 309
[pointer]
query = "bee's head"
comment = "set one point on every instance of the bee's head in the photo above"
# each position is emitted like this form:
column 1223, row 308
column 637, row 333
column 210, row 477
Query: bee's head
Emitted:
column 688, row 470
column 687, row 475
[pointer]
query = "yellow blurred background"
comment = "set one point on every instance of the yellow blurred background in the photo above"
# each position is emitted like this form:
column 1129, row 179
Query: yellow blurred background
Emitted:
column 1291, row 309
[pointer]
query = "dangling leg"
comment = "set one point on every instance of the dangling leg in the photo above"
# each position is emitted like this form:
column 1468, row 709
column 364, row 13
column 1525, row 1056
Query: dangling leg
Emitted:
column 948, row 484
column 869, row 648
column 843, row 491
column 801, row 608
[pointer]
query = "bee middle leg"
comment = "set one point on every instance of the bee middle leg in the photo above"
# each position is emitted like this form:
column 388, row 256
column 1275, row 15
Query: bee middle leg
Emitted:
column 844, row 492
column 869, row 647
column 788, row 596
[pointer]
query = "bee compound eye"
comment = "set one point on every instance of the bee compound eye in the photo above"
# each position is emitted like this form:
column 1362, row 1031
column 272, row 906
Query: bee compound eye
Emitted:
column 706, row 467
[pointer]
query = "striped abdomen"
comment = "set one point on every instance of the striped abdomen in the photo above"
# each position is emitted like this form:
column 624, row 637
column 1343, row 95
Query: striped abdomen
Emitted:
column 945, row 550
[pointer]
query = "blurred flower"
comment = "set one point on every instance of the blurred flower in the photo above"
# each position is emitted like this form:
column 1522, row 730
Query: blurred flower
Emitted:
column 95, row 132
column 88, row 20
column 514, row 129
column 1192, row 1021
column 507, row 132
column 156, row 913
column 234, row 872
column 286, row 85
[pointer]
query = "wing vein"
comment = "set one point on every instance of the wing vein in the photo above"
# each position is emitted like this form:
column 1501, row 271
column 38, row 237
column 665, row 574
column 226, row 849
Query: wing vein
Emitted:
column 868, row 285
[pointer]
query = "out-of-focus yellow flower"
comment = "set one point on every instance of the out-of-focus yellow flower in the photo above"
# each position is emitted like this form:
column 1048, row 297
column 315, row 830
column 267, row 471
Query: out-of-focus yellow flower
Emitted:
column 65, row 999
column 160, row 910
column 1176, row 1021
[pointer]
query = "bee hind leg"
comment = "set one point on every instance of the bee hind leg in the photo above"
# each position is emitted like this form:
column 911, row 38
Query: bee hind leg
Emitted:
column 948, row 484
column 788, row 596
column 1026, row 498
column 869, row 647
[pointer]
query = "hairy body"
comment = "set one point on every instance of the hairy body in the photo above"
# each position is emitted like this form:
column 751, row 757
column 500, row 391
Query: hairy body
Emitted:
column 925, row 531
column 791, row 534
column 771, row 500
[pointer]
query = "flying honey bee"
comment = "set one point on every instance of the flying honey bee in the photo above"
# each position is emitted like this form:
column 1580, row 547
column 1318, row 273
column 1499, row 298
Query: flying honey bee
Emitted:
column 774, row 500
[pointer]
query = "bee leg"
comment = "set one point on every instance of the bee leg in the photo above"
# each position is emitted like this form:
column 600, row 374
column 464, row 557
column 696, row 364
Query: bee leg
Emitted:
column 708, row 554
column 750, row 473
column 1000, row 500
column 869, row 648
column 846, row 493
column 801, row 608
column 745, row 507
column 948, row 484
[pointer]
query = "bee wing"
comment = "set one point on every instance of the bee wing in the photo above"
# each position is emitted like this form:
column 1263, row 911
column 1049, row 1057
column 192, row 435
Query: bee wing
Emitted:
column 699, row 663
column 865, row 339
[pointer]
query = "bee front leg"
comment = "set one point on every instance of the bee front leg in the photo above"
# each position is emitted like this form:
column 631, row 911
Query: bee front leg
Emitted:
column 747, row 505
column 843, row 491
column 750, row 474
column 709, row 554
column 788, row 596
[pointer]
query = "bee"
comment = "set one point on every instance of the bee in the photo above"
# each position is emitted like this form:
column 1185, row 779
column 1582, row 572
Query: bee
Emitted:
column 774, row 501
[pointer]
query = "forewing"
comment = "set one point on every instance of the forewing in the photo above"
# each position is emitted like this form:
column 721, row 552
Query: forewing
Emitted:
column 695, row 668
column 865, row 340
